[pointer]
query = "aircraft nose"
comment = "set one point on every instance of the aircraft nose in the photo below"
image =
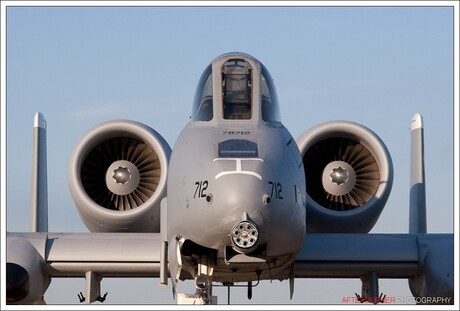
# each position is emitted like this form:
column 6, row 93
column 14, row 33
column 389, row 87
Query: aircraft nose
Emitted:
column 242, row 194
column 246, row 204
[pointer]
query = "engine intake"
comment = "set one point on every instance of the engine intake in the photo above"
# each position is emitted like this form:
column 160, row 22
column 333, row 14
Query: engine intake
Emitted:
column 117, row 177
column 349, row 175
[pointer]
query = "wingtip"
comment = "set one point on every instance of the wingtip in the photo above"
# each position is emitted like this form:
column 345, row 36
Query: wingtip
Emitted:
column 416, row 122
column 39, row 120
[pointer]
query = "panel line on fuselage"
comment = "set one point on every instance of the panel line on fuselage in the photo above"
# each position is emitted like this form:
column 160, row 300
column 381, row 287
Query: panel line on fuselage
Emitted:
column 238, row 167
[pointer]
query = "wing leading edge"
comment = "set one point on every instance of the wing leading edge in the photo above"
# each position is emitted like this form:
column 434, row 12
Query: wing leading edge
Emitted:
column 109, row 254
column 352, row 255
column 425, row 259
column 33, row 259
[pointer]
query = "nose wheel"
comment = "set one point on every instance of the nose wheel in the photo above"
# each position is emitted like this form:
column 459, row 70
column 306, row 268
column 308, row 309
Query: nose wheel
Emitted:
column 203, row 281
column 203, row 285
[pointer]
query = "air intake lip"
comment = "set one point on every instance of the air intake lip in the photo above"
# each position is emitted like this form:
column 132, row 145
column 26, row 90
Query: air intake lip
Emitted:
column 348, row 177
column 117, row 177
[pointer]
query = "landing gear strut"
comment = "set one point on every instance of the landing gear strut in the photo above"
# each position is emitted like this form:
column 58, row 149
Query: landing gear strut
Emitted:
column 203, row 285
column 203, row 281
column 204, row 288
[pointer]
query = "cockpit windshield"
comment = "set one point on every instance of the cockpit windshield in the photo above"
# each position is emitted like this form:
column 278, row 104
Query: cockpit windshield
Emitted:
column 269, row 100
column 202, row 104
column 237, row 89
column 236, row 93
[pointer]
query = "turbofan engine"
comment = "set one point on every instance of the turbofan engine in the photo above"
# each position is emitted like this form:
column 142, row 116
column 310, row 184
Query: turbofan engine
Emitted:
column 349, row 175
column 117, row 177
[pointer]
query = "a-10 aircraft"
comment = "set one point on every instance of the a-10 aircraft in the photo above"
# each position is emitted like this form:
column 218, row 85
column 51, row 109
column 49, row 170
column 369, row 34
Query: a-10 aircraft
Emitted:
column 236, row 200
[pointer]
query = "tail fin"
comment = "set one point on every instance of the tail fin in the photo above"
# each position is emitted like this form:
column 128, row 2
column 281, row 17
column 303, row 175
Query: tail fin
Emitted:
column 39, row 206
column 417, row 204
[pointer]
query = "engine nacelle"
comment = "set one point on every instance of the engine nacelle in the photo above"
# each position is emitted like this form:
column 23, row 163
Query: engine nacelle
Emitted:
column 435, row 282
column 26, row 280
column 117, row 177
column 349, row 175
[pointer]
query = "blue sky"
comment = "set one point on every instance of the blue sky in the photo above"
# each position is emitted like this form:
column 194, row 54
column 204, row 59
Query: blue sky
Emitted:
column 81, row 66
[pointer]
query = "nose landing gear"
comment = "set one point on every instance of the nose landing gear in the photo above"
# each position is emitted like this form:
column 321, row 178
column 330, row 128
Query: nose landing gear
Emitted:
column 203, row 285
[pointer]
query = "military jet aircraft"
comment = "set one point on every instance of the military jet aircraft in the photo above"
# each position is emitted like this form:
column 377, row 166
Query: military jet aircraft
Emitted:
column 236, row 200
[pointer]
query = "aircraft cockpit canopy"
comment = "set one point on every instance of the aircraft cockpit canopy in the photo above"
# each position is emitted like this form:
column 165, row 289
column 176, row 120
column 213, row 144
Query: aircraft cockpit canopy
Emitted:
column 269, row 98
column 202, row 104
column 237, row 90
column 237, row 93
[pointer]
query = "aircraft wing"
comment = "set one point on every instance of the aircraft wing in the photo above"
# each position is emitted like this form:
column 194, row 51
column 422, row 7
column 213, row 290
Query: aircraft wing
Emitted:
column 109, row 254
column 352, row 255
column 35, row 258
column 426, row 260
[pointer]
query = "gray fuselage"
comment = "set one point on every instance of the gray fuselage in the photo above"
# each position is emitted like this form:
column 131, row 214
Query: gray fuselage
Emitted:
column 237, row 184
